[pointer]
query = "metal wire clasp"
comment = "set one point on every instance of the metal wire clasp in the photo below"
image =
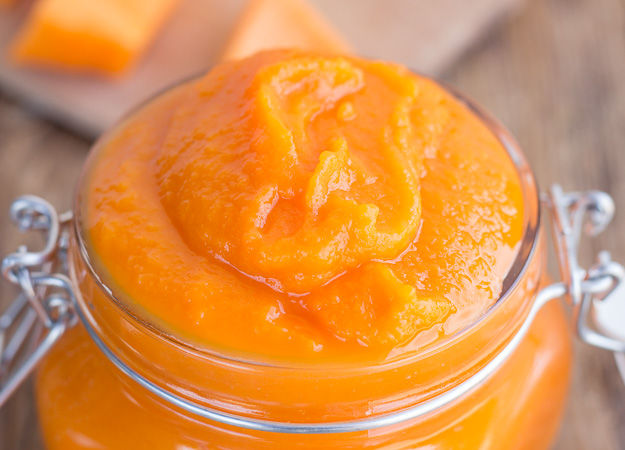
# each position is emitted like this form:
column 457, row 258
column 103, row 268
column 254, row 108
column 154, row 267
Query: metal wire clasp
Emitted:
column 47, row 303
column 574, row 214
column 44, row 309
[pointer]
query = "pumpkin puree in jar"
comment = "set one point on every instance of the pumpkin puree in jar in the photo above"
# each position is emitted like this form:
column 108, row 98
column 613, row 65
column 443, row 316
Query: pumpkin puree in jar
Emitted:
column 303, row 206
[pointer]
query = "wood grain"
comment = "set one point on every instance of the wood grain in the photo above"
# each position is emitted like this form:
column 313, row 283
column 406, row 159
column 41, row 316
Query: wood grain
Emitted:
column 553, row 75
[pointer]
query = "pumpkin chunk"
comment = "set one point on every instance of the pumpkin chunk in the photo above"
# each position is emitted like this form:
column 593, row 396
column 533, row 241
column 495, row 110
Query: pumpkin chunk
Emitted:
column 101, row 36
column 269, row 24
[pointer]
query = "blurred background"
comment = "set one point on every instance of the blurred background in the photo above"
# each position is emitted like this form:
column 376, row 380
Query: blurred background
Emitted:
column 551, row 70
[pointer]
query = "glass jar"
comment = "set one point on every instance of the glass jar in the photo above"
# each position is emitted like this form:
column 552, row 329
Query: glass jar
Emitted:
column 110, row 377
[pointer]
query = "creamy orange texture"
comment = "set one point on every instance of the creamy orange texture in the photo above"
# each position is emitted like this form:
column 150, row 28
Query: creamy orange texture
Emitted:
column 305, row 206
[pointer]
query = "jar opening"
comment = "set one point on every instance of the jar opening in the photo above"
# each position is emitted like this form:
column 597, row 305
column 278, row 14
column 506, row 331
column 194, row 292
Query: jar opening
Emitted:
column 524, row 254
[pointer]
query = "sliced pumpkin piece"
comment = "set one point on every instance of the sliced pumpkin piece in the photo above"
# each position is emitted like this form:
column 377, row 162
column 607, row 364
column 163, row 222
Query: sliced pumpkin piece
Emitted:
column 102, row 36
column 268, row 24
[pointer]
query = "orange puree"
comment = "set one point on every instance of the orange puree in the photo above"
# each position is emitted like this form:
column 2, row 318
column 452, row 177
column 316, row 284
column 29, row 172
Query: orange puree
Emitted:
column 297, row 205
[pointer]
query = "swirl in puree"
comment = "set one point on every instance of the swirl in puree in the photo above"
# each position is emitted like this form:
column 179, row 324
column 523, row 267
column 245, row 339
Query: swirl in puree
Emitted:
column 305, row 206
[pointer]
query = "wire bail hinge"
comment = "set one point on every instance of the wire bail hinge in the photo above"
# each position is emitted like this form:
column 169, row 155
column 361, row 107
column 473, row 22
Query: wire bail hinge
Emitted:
column 44, row 308
column 574, row 213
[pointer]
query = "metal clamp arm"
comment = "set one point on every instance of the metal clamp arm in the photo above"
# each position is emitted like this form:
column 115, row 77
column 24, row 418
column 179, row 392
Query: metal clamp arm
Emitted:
column 574, row 214
column 597, row 295
column 44, row 309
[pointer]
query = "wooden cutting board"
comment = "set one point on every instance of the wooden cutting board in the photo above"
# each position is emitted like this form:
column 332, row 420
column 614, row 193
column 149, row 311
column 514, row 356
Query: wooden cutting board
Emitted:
column 425, row 35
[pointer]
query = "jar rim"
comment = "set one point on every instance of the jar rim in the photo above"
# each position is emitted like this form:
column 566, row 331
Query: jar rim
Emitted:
column 525, row 252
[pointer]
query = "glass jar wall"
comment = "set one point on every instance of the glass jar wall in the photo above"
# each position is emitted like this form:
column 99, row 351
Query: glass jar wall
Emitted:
column 86, row 401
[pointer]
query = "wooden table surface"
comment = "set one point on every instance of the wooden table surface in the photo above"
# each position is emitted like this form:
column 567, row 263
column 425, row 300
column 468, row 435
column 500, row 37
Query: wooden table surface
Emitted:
column 555, row 75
